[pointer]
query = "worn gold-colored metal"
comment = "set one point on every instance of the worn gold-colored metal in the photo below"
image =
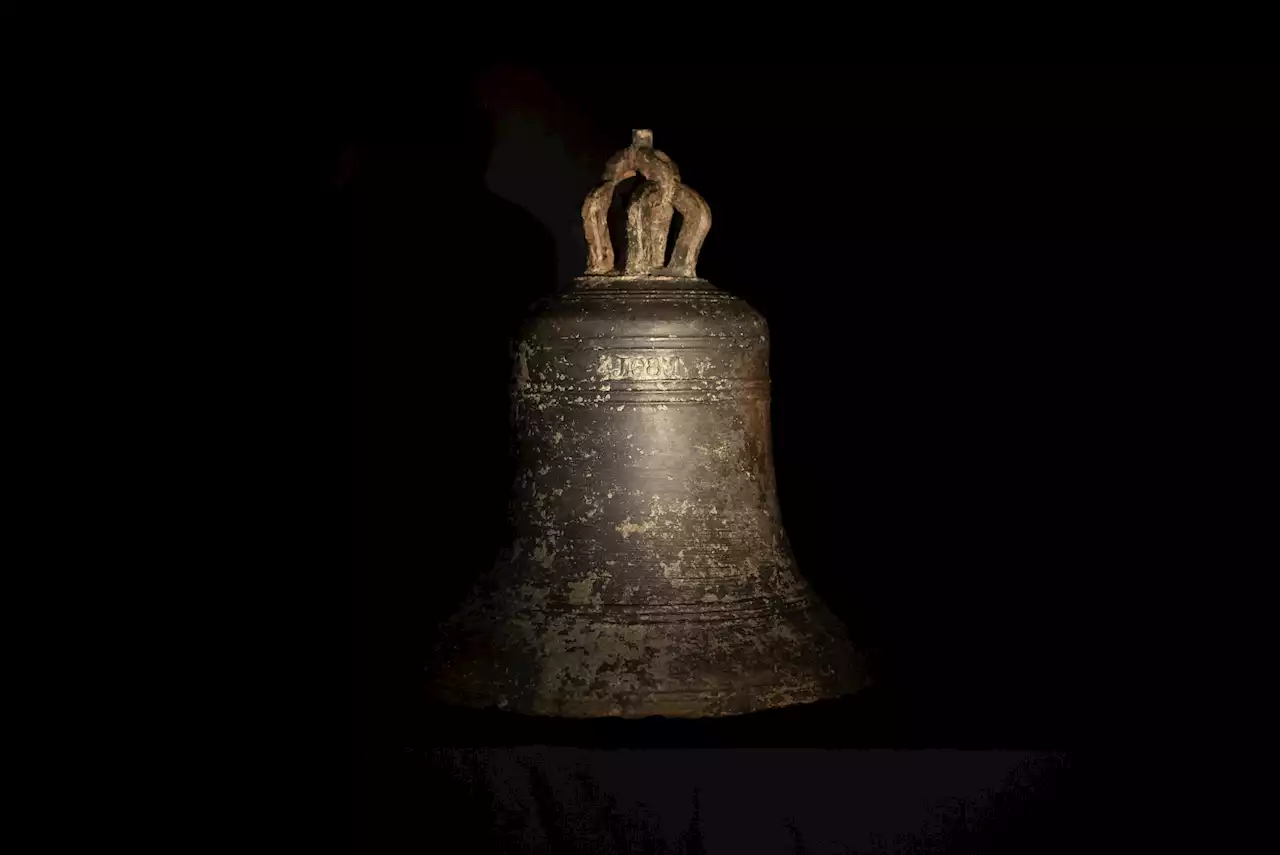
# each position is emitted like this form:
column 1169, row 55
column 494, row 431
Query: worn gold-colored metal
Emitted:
column 649, row 572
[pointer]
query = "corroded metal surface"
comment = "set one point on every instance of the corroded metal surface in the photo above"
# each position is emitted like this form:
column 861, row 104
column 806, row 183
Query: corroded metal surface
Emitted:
column 650, row 573
column 648, row 216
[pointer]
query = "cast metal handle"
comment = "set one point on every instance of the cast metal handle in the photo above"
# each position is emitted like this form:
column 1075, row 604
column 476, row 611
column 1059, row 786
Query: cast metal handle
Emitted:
column 648, row 215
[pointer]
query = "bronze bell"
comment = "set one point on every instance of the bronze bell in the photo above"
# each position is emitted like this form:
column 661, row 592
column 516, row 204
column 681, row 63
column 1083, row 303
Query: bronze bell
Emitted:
column 649, row 573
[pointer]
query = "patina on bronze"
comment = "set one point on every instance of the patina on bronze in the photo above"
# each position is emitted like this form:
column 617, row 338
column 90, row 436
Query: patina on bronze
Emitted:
column 649, row 573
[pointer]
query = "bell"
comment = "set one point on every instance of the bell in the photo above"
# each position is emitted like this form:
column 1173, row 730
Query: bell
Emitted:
column 649, row 572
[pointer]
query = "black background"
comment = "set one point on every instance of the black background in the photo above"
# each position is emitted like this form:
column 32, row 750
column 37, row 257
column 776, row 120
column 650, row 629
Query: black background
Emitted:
column 978, row 282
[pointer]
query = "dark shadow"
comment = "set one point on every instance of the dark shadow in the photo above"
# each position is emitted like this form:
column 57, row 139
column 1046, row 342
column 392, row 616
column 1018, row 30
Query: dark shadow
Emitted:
column 443, row 270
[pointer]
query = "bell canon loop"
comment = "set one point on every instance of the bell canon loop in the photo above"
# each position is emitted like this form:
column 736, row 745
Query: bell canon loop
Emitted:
column 649, row 573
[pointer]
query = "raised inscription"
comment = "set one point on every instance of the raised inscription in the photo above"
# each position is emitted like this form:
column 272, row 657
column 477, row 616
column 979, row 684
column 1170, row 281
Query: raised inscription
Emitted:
column 619, row 367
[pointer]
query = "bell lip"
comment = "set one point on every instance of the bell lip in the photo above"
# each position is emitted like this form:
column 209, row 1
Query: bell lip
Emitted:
column 645, row 282
column 864, row 719
column 447, row 700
